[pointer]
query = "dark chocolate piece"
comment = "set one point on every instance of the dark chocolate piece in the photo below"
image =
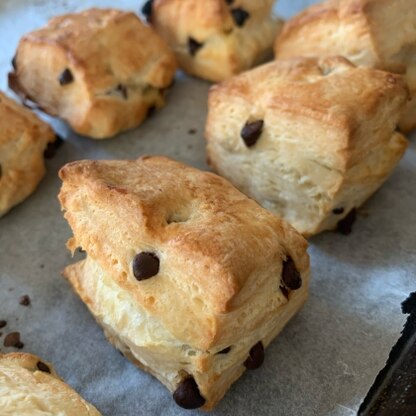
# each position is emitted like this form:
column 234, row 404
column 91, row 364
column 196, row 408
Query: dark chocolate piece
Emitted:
column 394, row 390
column 3, row 323
column 24, row 300
column 43, row 367
column 66, row 77
column 147, row 10
column 187, row 395
column 290, row 275
column 194, row 46
column 145, row 266
column 240, row 16
column 256, row 357
column 251, row 132
column 338, row 211
column 345, row 225
column 12, row 340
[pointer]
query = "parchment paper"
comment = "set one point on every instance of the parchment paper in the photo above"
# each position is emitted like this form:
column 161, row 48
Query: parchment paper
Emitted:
column 324, row 361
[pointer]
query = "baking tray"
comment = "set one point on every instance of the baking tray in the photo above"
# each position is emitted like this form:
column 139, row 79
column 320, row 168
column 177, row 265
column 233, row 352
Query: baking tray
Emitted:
column 324, row 361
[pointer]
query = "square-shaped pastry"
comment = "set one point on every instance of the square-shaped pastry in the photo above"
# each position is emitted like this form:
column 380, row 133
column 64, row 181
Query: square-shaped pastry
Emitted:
column 215, row 39
column 374, row 33
column 101, row 70
column 310, row 139
column 188, row 277
column 23, row 140
column 29, row 386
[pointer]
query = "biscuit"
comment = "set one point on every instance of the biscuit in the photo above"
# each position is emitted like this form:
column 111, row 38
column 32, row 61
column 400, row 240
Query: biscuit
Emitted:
column 101, row 70
column 310, row 139
column 373, row 33
column 29, row 386
column 188, row 277
column 215, row 39
column 23, row 141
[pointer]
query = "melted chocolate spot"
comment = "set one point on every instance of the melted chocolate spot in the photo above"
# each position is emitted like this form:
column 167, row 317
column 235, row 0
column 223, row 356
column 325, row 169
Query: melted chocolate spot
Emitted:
column 24, row 300
column 145, row 266
column 187, row 395
column 194, row 46
column 345, row 225
column 43, row 367
column 290, row 275
column 251, row 132
column 66, row 77
column 240, row 16
column 256, row 357
column 147, row 10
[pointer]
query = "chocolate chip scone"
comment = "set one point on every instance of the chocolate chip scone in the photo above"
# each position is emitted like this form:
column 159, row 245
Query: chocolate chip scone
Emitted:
column 101, row 70
column 215, row 39
column 373, row 33
column 29, row 386
column 310, row 139
column 188, row 277
column 24, row 138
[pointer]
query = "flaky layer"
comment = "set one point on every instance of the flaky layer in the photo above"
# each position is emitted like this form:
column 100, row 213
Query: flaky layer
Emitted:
column 23, row 140
column 143, row 338
column 28, row 388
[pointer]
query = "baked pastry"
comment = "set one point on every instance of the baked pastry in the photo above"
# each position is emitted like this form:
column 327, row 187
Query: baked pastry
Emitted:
column 29, row 386
column 23, row 141
column 373, row 33
column 166, row 277
column 310, row 139
column 101, row 70
column 215, row 39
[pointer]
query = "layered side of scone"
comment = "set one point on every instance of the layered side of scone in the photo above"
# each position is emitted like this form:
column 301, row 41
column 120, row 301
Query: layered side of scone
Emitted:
column 215, row 39
column 310, row 139
column 29, row 386
column 374, row 33
column 23, row 141
column 101, row 70
column 189, row 278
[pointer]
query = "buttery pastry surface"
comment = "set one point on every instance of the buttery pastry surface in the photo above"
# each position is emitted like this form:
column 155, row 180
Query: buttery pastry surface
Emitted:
column 326, row 136
column 374, row 33
column 213, row 290
column 23, row 140
column 101, row 70
column 31, row 387
column 214, row 39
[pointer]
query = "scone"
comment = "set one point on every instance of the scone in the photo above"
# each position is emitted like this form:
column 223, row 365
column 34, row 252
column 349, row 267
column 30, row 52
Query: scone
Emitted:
column 215, row 39
column 310, row 139
column 188, row 277
column 101, row 70
column 29, row 386
column 23, row 141
column 374, row 33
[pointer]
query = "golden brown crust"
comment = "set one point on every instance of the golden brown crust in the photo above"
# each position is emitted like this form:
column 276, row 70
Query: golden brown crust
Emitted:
column 119, row 68
column 226, row 48
column 328, row 136
column 26, row 390
column 23, row 140
column 368, row 32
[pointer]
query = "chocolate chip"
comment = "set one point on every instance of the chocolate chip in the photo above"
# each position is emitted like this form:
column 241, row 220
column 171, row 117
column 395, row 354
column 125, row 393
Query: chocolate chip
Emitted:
column 43, row 367
column 285, row 292
column 345, row 225
column 251, row 132
column 3, row 323
column 12, row 340
column 256, row 357
column 187, row 395
column 240, row 16
column 66, row 77
column 145, row 266
column 225, row 351
column 14, row 63
column 122, row 89
column 24, row 300
column 147, row 10
column 194, row 46
column 290, row 275
column 338, row 211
